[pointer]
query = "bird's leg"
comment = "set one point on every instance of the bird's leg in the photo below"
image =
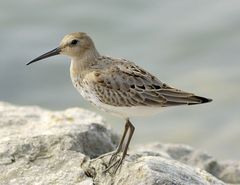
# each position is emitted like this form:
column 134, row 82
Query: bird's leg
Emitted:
column 132, row 128
column 119, row 148
column 118, row 163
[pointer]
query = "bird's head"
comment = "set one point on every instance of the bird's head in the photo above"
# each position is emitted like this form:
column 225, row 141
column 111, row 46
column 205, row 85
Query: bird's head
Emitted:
column 74, row 45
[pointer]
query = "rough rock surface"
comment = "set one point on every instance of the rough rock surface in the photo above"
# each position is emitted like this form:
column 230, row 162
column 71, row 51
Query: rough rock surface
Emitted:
column 44, row 147
column 153, row 170
column 227, row 171
column 60, row 148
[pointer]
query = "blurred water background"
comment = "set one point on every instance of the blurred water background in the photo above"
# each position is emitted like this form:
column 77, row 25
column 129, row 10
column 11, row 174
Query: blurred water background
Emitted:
column 192, row 45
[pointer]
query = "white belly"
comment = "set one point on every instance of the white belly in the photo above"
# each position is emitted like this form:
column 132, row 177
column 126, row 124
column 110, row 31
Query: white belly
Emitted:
column 127, row 112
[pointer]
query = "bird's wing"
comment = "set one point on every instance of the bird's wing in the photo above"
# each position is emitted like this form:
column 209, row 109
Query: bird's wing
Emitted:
column 126, row 84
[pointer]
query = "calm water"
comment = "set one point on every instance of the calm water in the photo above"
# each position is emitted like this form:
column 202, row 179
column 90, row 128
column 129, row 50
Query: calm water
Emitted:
column 192, row 45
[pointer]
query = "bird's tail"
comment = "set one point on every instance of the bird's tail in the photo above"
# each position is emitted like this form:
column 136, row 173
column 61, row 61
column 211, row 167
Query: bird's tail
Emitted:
column 203, row 99
column 176, row 97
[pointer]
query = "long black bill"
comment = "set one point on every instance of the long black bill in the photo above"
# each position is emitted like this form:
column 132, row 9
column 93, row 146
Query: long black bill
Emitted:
column 51, row 53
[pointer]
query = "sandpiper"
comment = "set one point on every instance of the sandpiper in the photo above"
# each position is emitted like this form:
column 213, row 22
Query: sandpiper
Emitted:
column 117, row 86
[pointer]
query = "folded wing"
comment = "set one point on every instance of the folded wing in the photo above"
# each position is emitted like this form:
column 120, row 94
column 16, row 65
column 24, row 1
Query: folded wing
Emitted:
column 126, row 84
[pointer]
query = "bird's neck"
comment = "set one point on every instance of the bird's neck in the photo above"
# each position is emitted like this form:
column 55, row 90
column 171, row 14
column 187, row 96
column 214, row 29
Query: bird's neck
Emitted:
column 84, row 62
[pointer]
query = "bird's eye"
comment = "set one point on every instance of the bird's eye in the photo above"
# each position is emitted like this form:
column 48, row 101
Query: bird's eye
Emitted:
column 74, row 42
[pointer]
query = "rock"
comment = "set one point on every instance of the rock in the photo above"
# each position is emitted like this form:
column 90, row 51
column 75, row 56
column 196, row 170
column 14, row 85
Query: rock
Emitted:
column 227, row 171
column 44, row 147
column 151, row 170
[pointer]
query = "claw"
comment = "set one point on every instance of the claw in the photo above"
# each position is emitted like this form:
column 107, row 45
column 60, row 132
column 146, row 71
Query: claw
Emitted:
column 116, row 164
column 113, row 157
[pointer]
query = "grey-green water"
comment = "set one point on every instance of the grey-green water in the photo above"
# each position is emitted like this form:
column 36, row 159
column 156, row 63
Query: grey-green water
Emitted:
column 192, row 45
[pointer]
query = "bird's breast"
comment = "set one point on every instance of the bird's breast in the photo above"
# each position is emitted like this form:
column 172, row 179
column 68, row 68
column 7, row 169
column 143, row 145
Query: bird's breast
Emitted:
column 86, row 91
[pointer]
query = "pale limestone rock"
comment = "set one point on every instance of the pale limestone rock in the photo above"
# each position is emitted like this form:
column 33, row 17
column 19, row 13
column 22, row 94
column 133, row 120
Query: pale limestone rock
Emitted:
column 227, row 171
column 149, row 170
column 44, row 147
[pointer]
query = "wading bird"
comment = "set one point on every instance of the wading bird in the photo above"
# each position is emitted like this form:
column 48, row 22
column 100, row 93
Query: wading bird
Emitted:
column 117, row 86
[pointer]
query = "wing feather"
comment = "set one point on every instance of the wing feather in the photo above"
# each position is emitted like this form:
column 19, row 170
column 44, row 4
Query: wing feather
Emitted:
column 126, row 84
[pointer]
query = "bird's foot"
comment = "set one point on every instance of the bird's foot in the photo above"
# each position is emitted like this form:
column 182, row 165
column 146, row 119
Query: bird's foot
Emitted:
column 114, row 166
column 113, row 157
column 104, row 155
column 115, row 162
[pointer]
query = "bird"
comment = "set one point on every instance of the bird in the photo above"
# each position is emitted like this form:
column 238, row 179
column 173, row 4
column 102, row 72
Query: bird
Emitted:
column 117, row 86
